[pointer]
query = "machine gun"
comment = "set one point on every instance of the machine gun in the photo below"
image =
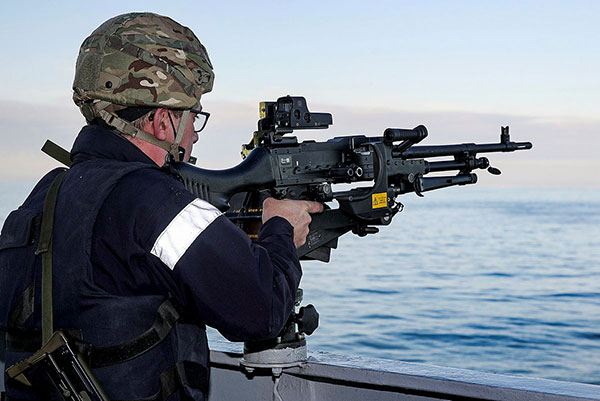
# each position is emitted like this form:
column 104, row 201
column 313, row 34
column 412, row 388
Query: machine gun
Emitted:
column 276, row 164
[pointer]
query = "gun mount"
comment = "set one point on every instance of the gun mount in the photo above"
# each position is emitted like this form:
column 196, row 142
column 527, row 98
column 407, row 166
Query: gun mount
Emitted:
column 289, row 347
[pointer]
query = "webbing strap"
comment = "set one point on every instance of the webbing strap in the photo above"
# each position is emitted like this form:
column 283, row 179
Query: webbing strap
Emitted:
column 166, row 317
column 57, row 152
column 179, row 135
column 128, row 128
column 117, row 42
column 45, row 249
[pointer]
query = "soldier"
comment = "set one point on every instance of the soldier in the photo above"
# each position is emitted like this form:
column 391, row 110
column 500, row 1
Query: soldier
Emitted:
column 139, row 264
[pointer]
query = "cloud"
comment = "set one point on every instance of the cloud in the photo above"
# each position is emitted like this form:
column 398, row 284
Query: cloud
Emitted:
column 564, row 153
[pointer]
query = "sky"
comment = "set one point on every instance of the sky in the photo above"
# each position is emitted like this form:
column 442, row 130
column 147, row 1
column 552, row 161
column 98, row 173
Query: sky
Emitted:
column 461, row 68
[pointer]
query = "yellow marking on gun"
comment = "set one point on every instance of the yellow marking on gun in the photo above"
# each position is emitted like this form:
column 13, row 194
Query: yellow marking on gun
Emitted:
column 379, row 200
column 262, row 110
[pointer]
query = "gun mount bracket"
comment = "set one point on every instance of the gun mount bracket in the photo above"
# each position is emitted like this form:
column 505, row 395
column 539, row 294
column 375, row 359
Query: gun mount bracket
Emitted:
column 286, row 350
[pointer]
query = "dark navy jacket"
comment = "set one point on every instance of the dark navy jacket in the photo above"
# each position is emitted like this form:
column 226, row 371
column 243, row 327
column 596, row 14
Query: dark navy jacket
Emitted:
column 128, row 236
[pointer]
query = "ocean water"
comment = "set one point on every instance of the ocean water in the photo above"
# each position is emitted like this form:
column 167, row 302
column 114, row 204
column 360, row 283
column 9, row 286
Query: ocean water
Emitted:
column 502, row 280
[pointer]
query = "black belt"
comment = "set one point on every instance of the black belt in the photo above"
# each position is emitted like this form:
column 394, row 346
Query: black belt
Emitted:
column 166, row 317
column 174, row 378
column 19, row 340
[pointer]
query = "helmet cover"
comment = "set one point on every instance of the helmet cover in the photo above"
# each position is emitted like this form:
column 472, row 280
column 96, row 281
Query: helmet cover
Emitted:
column 142, row 59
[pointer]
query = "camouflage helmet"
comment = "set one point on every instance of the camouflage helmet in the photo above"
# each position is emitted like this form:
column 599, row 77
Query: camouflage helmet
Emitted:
column 140, row 60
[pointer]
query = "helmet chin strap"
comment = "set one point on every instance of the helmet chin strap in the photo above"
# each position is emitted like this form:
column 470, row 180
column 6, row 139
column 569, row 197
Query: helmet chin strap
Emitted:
column 176, row 152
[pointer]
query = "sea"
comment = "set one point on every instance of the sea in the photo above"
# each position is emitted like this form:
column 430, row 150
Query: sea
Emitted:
column 495, row 280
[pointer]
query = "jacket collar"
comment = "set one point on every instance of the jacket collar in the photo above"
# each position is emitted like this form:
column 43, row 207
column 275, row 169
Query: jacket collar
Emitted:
column 97, row 142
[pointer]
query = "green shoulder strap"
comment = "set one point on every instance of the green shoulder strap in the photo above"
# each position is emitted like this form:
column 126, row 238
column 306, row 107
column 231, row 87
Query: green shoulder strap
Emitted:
column 45, row 249
column 57, row 153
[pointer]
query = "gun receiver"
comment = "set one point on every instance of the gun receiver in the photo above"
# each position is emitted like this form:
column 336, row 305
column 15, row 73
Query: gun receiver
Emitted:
column 278, row 165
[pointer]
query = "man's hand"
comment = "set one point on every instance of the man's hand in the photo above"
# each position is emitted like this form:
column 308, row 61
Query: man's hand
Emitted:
column 297, row 212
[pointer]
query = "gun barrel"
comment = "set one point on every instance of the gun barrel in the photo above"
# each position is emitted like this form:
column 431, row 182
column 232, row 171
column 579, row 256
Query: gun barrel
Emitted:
column 417, row 152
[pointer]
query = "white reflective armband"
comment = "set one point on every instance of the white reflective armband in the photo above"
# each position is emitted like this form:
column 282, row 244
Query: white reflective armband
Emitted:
column 181, row 232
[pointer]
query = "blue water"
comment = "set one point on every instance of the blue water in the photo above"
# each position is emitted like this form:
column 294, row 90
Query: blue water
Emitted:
column 504, row 281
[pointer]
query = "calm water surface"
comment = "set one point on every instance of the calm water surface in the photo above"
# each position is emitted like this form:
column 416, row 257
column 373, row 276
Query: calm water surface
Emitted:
column 502, row 281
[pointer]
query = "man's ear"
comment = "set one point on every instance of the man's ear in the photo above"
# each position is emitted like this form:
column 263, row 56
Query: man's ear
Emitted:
column 160, row 124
